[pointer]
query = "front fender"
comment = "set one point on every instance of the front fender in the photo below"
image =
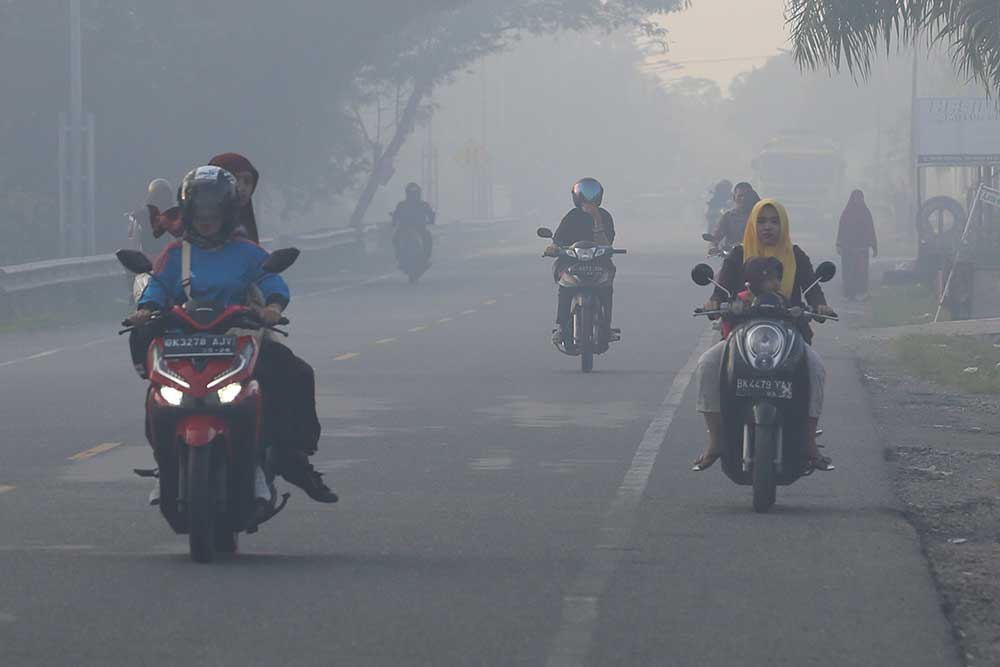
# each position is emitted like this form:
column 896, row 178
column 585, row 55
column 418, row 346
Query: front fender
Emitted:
column 200, row 430
column 765, row 414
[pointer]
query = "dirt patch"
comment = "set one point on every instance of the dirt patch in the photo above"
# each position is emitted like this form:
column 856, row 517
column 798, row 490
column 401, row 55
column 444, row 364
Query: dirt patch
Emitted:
column 944, row 446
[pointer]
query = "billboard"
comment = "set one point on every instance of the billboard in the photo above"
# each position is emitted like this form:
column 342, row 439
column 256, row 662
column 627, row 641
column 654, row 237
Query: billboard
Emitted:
column 956, row 131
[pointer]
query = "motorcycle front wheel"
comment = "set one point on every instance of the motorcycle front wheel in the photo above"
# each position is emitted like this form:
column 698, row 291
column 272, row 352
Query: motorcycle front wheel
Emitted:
column 765, row 488
column 585, row 338
column 202, row 504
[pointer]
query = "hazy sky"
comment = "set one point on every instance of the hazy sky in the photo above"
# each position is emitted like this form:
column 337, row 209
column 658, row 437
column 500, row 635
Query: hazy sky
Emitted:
column 741, row 30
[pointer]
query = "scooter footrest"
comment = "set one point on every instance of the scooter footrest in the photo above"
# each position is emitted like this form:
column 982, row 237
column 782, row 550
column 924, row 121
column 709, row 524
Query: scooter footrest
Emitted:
column 147, row 472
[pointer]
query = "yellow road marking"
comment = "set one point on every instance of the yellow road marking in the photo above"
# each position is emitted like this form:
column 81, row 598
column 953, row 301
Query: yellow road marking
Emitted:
column 444, row 320
column 4, row 488
column 346, row 357
column 385, row 341
column 94, row 451
column 417, row 329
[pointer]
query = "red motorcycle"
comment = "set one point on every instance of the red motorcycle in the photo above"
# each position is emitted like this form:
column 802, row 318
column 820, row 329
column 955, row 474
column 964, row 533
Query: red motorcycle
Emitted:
column 204, row 411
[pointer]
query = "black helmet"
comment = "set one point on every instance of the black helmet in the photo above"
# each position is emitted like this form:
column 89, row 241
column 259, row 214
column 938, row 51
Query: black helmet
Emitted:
column 588, row 190
column 210, row 186
column 413, row 191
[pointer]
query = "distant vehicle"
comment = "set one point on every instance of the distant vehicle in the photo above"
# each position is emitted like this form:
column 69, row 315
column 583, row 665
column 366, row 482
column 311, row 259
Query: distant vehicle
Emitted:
column 587, row 272
column 805, row 172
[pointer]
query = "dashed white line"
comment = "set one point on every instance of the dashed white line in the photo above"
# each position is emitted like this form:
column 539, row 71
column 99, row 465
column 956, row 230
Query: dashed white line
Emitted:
column 385, row 341
column 347, row 357
column 581, row 602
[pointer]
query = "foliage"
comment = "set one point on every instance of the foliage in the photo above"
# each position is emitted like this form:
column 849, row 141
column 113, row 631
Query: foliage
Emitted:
column 853, row 32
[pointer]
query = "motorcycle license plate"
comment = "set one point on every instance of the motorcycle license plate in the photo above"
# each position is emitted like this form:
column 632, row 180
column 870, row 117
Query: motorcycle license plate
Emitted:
column 763, row 388
column 204, row 345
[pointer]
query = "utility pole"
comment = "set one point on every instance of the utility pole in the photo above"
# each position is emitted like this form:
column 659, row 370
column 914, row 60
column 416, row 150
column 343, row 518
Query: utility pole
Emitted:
column 76, row 155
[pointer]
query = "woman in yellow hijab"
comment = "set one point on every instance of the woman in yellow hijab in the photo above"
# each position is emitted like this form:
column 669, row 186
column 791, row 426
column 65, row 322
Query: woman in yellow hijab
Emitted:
column 767, row 234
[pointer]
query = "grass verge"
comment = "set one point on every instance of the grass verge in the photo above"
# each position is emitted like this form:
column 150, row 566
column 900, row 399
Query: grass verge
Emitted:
column 895, row 305
column 950, row 360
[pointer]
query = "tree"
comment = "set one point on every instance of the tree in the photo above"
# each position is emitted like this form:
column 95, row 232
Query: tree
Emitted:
column 852, row 32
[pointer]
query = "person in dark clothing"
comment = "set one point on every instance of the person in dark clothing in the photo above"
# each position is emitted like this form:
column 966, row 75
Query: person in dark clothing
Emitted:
column 729, row 231
column 767, row 236
column 223, row 268
column 295, row 411
column 247, row 178
column 587, row 221
column 855, row 239
column 718, row 198
column 416, row 212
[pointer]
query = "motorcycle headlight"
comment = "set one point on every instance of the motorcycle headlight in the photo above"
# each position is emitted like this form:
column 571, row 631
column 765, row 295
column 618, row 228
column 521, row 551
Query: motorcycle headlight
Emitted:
column 585, row 254
column 599, row 252
column 765, row 343
column 172, row 396
column 229, row 393
column 570, row 252
column 240, row 363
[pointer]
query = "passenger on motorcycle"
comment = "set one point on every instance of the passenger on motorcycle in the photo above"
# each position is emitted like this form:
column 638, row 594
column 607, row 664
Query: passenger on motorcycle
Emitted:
column 414, row 211
column 766, row 235
column 223, row 268
column 729, row 231
column 587, row 221
column 247, row 178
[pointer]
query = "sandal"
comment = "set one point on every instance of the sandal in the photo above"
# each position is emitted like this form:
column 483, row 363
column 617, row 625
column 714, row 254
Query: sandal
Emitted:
column 705, row 461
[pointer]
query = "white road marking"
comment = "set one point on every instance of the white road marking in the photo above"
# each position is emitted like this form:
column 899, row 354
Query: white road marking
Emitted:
column 492, row 464
column 470, row 311
column 5, row 488
column 57, row 350
column 581, row 602
column 444, row 320
column 385, row 341
column 417, row 329
column 346, row 357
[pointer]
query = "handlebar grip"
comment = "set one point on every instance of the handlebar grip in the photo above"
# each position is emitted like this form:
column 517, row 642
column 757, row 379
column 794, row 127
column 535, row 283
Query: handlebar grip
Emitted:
column 698, row 311
column 619, row 252
column 284, row 320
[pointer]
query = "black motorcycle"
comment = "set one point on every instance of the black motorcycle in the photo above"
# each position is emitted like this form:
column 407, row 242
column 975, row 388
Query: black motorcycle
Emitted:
column 586, row 269
column 765, row 389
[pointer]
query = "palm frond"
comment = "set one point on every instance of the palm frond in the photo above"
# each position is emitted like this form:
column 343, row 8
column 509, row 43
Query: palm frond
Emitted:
column 851, row 33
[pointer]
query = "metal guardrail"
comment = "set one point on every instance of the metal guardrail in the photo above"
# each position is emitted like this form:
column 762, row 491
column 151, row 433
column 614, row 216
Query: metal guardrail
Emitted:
column 52, row 272
column 22, row 278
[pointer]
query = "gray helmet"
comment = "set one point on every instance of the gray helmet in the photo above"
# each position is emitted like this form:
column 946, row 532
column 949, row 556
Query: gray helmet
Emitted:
column 161, row 195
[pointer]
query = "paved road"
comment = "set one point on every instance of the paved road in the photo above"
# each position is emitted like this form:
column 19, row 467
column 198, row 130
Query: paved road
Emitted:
column 499, row 507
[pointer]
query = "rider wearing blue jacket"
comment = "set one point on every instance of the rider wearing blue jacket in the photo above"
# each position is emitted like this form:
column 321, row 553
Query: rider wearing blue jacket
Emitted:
column 222, row 268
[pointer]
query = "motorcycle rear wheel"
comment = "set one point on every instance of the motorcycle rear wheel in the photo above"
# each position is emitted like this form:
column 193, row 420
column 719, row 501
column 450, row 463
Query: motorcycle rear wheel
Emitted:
column 765, row 488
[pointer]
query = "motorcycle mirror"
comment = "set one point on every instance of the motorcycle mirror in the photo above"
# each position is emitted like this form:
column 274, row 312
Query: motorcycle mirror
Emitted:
column 708, row 237
column 134, row 261
column 826, row 271
column 702, row 275
column 544, row 233
column 279, row 260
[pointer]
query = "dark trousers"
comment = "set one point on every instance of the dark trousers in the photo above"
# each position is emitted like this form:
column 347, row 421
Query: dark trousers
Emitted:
column 563, row 313
column 426, row 240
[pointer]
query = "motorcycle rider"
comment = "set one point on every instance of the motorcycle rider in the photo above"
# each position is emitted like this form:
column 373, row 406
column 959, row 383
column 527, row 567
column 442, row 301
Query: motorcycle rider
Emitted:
column 718, row 198
column 729, row 231
column 413, row 210
column 161, row 216
column 587, row 221
column 767, row 235
column 222, row 270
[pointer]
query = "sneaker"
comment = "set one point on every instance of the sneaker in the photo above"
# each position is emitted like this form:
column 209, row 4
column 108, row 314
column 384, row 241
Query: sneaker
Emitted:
column 154, row 495
column 557, row 337
column 297, row 470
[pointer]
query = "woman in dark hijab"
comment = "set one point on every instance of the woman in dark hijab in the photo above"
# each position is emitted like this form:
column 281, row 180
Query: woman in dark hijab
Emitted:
column 247, row 178
column 854, row 238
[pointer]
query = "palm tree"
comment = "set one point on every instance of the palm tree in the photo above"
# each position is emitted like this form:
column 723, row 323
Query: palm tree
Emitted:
column 833, row 33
